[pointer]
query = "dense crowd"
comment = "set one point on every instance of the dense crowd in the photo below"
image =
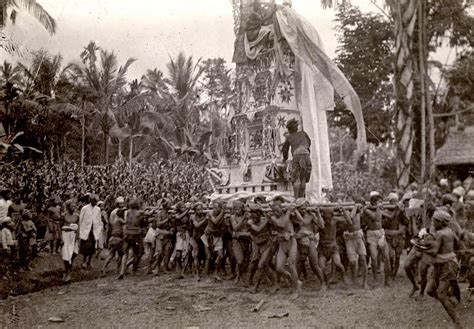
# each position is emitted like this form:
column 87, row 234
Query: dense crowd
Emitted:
column 39, row 184
column 162, row 213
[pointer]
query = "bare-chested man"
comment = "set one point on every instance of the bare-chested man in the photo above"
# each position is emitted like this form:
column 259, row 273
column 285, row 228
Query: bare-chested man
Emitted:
column 116, row 223
column 54, row 224
column 241, row 242
column 328, row 248
column 394, row 224
column 445, row 265
column 212, row 238
column 310, row 222
column 182, row 225
column 355, row 246
column 70, row 238
column 261, row 245
column 376, row 236
column 164, row 233
column 199, row 221
column 132, row 236
column 287, row 252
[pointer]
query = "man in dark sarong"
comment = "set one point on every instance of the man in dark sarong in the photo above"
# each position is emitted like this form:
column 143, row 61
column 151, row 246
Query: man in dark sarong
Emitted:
column 301, row 166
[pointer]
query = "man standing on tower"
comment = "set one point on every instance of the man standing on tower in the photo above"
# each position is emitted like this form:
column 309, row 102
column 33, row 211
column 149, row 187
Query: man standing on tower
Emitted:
column 299, row 142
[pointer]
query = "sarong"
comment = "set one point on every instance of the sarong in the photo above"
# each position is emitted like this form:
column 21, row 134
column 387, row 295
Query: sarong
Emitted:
column 70, row 245
column 87, row 247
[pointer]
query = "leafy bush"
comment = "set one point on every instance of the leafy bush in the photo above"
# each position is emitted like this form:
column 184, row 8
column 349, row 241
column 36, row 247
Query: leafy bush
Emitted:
column 348, row 182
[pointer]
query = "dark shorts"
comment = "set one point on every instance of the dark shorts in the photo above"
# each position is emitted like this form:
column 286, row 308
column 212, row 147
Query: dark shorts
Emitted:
column 447, row 271
column 134, row 242
column 396, row 242
column 87, row 247
column 301, row 167
column 328, row 250
column 259, row 249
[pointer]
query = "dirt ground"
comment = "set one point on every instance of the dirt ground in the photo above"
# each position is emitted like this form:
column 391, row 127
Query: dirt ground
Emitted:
column 148, row 301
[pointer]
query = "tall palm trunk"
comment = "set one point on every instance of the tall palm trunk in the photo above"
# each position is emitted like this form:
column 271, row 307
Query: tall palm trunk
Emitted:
column 106, row 147
column 422, row 70
column 431, row 131
column 3, row 13
column 405, row 15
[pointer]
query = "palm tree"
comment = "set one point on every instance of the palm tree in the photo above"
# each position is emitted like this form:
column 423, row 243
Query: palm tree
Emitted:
column 183, row 77
column 45, row 74
column 31, row 7
column 9, row 73
column 154, row 82
column 104, row 81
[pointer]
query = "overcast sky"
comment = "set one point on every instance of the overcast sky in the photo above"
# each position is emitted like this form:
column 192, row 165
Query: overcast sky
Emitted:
column 153, row 30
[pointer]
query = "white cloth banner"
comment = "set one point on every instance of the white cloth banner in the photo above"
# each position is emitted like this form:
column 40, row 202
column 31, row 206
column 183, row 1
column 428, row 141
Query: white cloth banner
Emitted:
column 316, row 79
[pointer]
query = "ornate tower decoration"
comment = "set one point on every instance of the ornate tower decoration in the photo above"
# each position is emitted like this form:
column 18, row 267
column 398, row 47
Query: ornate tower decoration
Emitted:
column 267, row 98
column 282, row 73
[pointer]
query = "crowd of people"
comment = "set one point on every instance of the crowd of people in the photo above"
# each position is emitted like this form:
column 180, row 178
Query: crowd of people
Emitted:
column 161, row 217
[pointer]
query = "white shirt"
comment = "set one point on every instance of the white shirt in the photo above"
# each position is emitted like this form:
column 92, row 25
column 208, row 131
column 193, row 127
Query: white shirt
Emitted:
column 4, row 205
column 90, row 218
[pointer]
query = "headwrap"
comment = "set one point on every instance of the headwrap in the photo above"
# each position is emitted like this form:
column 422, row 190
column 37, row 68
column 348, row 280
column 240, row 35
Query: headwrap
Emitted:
column 459, row 191
column 407, row 196
column 374, row 196
column 443, row 182
column 450, row 197
column 392, row 197
column 301, row 202
column 198, row 204
column 442, row 216
column 120, row 199
column 470, row 195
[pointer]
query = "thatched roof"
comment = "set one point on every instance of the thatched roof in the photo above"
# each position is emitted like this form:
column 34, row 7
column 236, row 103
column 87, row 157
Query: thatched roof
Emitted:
column 458, row 149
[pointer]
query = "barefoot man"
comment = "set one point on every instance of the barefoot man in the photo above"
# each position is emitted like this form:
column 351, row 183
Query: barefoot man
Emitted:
column 445, row 264
column 310, row 222
column 212, row 238
column 328, row 248
column 241, row 243
column 132, row 236
column 300, row 143
column 394, row 224
column 355, row 246
column 199, row 221
column 261, row 245
column 376, row 236
column 287, row 252
column 116, row 223
column 89, row 230
column 69, row 236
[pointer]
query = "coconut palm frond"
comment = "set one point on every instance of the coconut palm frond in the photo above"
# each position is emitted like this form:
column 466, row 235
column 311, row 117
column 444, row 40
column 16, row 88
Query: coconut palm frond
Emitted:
column 37, row 11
